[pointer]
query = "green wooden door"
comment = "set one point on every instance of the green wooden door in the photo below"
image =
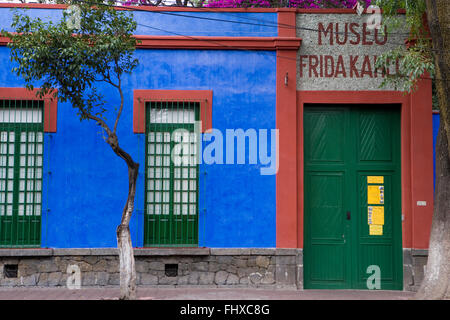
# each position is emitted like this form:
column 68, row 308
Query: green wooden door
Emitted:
column 21, row 165
column 352, row 209
column 171, row 212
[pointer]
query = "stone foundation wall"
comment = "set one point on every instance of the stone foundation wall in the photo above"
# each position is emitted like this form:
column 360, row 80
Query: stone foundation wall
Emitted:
column 240, row 267
column 193, row 267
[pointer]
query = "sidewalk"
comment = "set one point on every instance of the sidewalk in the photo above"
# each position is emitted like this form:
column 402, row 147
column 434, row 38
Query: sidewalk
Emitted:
column 189, row 293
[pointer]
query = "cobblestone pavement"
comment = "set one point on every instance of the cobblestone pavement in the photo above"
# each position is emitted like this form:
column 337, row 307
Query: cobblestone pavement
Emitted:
column 192, row 293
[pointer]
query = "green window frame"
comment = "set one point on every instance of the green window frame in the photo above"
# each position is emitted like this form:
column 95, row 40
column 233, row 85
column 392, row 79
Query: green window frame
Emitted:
column 171, row 183
column 21, row 172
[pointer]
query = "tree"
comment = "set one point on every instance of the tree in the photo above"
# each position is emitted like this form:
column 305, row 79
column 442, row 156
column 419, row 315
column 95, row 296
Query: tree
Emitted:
column 70, row 58
column 429, row 52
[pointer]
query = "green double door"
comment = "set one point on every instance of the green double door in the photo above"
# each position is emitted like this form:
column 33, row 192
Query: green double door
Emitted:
column 352, row 197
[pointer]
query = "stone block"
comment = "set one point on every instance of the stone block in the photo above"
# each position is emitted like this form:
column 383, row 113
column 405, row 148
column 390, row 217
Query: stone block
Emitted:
column 43, row 280
column 244, row 272
column 407, row 258
column 168, row 280
column 148, row 279
column 255, row 278
column 193, row 278
column 221, row 277
column 112, row 266
column 88, row 279
column 54, row 279
column 101, row 265
column 206, row 278
column 47, row 266
column 114, row 279
column 300, row 277
column 200, row 266
column 91, row 259
column 286, row 252
column 229, row 268
column 232, row 279
column 285, row 275
column 29, row 281
column 240, row 263
column 104, row 251
column 262, row 261
column 156, row 265
column 141, row 266
column 101, row 278
column 28, row 267
column 230, row 251
column 7, row 282
column 299, row 259
column 268, row 278
column 251, row 262
column 183, row 280
column 72, row 252
column 286, row 260
column 214, row 267
column 226, row 260
column 26, row 252
column 408, row 278
column 263, row 251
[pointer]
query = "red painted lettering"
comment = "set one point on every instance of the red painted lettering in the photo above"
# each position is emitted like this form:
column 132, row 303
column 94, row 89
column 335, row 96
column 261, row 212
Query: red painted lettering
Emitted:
column 338, row 40
column 376, row 70
column 353, row 69
column 329, row 62
column 383, row 42
column 329, row 30
column 313, row 66
column 355, row 33
column 365, row 34
column 340, row 67
column 366, row 67
column 302, row 65
column 321, row 66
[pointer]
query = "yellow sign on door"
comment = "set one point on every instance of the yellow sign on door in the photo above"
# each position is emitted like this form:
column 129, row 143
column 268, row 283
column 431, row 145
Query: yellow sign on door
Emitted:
column 375, row 215
column 375, row 179
column 375, row 230
column 375, row 195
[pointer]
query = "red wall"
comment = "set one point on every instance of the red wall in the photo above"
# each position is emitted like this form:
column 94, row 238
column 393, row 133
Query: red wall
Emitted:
column 416, row 144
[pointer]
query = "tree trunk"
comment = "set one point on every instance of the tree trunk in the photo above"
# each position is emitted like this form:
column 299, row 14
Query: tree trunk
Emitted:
column 436, row 283
column 126, row 255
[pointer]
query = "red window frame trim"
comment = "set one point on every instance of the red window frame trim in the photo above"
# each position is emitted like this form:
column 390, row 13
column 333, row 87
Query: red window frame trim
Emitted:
column 140, row 97
column 50, row 111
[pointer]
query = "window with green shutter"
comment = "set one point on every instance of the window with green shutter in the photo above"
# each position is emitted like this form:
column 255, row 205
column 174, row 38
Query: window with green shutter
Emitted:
column 171, row 198
column 21, row 166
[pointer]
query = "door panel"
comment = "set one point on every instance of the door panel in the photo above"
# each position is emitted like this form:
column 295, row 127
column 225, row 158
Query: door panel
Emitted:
column 347, row 150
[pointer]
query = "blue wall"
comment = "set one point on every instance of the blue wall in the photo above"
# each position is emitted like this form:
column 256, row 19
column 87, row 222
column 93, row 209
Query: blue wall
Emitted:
column 436, row 117
column 85, row 184
column 230, row 24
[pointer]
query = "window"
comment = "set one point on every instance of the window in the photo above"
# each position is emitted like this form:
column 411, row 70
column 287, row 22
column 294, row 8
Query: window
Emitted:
column 171, row 184
column 21, row 170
